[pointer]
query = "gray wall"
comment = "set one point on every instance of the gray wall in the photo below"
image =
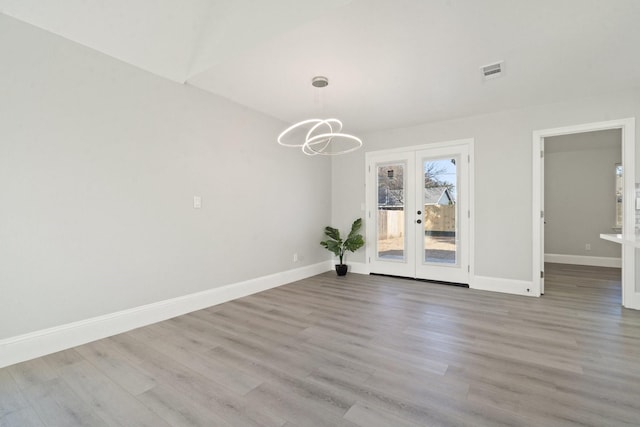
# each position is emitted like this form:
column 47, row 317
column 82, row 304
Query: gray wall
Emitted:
column 503, row 175
column 99, row 163
column 580, row 193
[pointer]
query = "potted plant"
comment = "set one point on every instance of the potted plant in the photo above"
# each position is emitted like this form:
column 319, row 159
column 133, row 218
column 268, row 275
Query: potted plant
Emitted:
column 335, row 244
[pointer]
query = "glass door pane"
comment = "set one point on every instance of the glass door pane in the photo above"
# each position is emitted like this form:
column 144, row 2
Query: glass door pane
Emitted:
column 391, row 238
column 440, row 210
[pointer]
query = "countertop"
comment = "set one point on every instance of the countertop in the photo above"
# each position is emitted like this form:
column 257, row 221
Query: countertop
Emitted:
column 623, row 240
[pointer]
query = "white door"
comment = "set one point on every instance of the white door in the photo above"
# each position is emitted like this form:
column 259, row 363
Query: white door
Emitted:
column 442, row 227
column 418, row 213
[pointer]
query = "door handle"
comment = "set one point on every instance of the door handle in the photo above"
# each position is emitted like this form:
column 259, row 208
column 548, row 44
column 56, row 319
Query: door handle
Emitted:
column 419, row 221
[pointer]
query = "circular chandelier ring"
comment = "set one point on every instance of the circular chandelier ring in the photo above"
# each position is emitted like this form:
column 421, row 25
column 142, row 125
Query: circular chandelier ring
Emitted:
column 309, row 152
column 307, row 146
column 317, row 122
column 327, row 122
column 330, row 136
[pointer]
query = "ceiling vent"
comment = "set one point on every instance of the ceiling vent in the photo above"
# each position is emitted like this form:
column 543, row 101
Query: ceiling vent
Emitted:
column 492, row 71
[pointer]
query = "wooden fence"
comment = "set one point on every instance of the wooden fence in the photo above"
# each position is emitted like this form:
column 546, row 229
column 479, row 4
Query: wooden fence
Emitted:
column 438, row 218
column 390, row 224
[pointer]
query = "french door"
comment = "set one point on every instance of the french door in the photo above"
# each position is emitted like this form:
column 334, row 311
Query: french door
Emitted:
column 418, row 212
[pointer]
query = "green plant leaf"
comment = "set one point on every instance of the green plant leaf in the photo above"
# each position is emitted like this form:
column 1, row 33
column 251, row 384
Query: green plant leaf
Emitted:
column 353, row 243
column 337, row 246
column 355, row 227
column 334, row 233
column 333, row 246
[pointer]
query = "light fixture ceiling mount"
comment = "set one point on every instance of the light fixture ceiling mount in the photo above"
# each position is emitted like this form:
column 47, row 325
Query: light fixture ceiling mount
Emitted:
column 323, row 136
column 319, row 81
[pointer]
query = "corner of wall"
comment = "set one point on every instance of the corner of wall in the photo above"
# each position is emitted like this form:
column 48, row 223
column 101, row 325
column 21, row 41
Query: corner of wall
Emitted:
column 39, row 343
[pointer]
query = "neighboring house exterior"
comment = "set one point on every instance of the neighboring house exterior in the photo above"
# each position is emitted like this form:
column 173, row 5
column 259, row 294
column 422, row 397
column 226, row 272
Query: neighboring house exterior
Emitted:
column 390, row 199
column 438, row 196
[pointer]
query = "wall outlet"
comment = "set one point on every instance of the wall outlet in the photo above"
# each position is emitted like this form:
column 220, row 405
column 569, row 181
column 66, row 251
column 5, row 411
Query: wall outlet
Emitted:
column 587, row 246
column 295, row 257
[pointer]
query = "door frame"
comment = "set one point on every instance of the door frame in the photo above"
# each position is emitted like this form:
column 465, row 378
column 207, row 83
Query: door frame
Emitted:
column 370, row 248
column 630, row 298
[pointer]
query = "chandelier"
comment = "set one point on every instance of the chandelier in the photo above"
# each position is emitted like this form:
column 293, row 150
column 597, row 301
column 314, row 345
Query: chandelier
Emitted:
column 321, row 136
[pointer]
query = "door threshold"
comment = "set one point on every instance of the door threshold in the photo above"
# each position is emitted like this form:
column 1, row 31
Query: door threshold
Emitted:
column 416, row 279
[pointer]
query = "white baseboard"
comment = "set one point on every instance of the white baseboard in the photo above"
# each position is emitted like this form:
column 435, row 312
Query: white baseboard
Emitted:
column 508, row 286
column 354, row 267
column 39, row 343
column 359, row 268
column 596, row 261
column 494, row 284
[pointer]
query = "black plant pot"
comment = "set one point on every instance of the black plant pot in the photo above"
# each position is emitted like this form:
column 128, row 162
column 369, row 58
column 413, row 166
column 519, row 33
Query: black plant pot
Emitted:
column 341, row 269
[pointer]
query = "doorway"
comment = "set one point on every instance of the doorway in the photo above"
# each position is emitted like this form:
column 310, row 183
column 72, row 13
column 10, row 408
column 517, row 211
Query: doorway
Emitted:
column 419, row 215
column 630, row 297
column 582, row 201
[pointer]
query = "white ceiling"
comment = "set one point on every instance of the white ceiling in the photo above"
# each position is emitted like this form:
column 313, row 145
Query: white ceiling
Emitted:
column 391, row 63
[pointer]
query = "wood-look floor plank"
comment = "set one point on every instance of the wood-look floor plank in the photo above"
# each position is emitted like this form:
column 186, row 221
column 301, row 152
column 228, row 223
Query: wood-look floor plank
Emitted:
column 11, row 399
column 290, row 395
column 58, row 405
column 62, row 359
column 107, row 400
column 300, row 403
column 205, row 365
column 226, row 404
column 32, row 372
column 25, row 417
column 115, row 366
column 355, row 351
column 178, row 409
column 376, row 356
column 427, row 411
column 368, row 416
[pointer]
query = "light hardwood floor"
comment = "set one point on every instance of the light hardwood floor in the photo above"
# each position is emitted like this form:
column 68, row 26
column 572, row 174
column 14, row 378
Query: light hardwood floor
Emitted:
column 356, row 351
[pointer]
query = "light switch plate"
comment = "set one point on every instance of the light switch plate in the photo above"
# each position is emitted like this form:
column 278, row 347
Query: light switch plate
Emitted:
column 197, row 202
column 637, row 202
